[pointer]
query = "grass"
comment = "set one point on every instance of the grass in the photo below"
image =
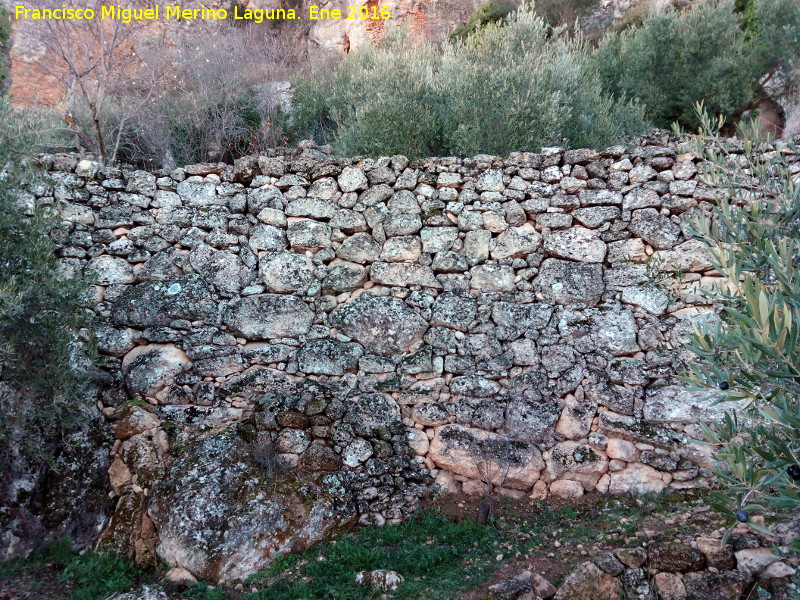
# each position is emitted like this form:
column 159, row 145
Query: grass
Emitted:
column 437, row 557
column 59, row 572
column 98, row 576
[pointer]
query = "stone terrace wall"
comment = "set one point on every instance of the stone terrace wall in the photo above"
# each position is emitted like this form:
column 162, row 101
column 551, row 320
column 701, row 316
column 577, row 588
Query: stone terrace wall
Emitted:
column 391, row 323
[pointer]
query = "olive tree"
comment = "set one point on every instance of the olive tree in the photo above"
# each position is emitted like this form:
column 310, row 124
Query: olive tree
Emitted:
column 42, row 358
column 730, row 59
column 752, row 354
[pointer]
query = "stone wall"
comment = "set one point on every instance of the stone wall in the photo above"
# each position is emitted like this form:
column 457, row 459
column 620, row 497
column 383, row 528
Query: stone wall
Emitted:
column 364, row 327
column 703, row 568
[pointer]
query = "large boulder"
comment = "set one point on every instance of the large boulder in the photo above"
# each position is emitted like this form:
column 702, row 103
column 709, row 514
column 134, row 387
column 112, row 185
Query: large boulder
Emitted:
column 382, row 325
column 269, row 316
column 148, row 369
column 158, row 303
column 568, row 282
column 286, row 272
column 588, row 582
column 481, row 455
column 220, row 516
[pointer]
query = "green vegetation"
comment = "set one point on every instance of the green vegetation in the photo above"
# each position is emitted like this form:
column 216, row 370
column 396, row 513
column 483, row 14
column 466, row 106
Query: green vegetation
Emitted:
column 510, row 80
column 515, row 87
column 518, row 81
column 437, row 558
column 223, row 128
column 752, row 355
column 713, row 53
column 40, row 310
column 98, row 576
column 5, row 47
column 78, row 576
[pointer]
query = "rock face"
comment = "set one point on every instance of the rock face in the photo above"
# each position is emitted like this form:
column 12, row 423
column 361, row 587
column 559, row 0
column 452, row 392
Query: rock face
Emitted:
column 426, row 19
column 221, row 516
column 376, row 320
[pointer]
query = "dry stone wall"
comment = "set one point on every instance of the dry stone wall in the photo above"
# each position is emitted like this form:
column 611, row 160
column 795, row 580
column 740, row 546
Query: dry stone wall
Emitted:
column 377, row 326
column 704, row 568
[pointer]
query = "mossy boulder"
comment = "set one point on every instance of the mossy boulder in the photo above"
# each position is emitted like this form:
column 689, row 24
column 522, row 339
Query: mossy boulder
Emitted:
column 220, row 516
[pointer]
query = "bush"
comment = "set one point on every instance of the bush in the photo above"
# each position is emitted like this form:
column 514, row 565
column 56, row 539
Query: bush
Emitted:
column 509, row 88
column 676, row 59
column 521, row 87
column 41, row 358
column 202, row 95
column 752, row 355
column 219, row 99
column 377, row 101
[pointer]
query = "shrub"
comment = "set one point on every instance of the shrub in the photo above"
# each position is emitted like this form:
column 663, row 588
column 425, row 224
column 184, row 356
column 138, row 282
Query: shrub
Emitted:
column 676, row 59
column 752, row 354
column 263, row 450
column 521, row 87
column 515, row 87
column 380, row 100
column 219, row 100
column 41, row 358
column 203, row 94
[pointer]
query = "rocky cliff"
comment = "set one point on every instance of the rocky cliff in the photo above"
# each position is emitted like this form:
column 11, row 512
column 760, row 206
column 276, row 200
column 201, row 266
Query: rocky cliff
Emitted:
column 299, row 343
